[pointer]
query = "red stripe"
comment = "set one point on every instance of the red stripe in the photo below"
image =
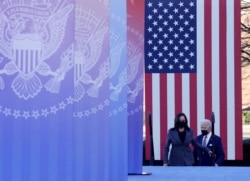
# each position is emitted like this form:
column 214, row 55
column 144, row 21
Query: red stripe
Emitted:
column 223, row 71
column 238, row 98
column 148, row 108
column 178, row 93
column 208, row 58
column 163, row 113
column 193, row 102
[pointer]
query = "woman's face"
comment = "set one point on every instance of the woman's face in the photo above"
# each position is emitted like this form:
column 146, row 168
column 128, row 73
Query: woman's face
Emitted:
column 182, row 119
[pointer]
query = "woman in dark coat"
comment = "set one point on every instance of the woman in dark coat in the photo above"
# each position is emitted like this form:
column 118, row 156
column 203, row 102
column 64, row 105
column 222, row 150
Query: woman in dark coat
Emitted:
column 180, row 137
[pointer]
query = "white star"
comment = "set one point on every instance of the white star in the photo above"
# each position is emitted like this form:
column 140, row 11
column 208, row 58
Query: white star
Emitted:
column 155, row 11
column 150, row 54
column 150, row 29
column 170, row 67
column 191, row 4
column 170, row 17
column 150, row 67
column 150, row 17
column 150, row 42
column 191, row 66
column 181, row 4
column 181, row 67
column 186, row 10
column 150, row 4
column 160, row 67
column 191, row 54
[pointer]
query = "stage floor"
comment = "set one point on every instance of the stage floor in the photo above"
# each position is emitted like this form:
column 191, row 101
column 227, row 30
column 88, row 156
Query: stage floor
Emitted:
column 160, row 173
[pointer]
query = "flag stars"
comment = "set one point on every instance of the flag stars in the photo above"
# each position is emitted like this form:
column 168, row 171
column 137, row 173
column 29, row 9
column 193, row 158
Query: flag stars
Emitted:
column 155, row 48
column 181, row 4
column 165, row 10
column 191, row 67
column 150, row 67
column 170, row 17
column 181, row 16
column 155, row 23
column 160, row 67
column 150, row 29
column 176, row 60
column 160, row 42
column 150, row 54
column 155, row 11
column 170, row 4
column 176, row 10
column 170, row 29
column 150, row 4
column 181, row 29
column 186, row 35
column 191, row 16
column 191, row 42
column 191, row 29
column 186, row 60
column 186, row 10
column 176, row 48
column 176, row 23
column 160, row 54
column 165, row 60
column 155, row 60
column 155, row 35
column 160, row 29
column 171, row 67
column 181, row 54
column 160, row 4
column 170, row 54
column 165, row 23
column 165, row 48
column 186, row 23
column 186, row 48
column 191, row 54
column 150, row 17
column 160, row 17
column 191, row 4
column 165, row 35
column 150, row 42
column 181, row 66
column 170, row 42
column 176, row 35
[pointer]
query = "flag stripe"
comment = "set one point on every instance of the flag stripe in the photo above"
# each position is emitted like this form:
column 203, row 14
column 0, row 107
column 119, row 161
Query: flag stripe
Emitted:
column 237, row 70
column 163, row 113
column 156, row 113
column 213, row 87
column 223, row 64
column 200, row 64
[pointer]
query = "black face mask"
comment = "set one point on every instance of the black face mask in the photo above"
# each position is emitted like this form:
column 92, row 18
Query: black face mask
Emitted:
column 204, row 132
column 181, row 124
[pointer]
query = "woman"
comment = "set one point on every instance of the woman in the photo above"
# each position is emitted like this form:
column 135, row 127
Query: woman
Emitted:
column 180, row 138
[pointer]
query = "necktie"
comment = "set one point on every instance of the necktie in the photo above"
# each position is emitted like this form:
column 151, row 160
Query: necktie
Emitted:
column 204, row 143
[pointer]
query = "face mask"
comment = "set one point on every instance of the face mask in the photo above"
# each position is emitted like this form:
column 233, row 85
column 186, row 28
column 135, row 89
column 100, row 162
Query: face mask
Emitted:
column 181, row 124
column 204, row 132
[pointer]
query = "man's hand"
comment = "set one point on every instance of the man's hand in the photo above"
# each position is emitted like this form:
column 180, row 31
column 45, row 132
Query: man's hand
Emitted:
column 165, row 164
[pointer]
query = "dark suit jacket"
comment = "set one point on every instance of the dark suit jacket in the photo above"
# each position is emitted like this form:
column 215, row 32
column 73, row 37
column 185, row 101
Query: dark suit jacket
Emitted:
column 215, row 145
column 181, row 154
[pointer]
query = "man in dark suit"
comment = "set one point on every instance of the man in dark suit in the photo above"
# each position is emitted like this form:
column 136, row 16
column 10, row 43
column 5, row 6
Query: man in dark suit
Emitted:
column 211, row 141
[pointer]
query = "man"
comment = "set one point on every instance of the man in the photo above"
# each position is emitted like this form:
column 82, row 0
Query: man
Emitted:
column 213, row 142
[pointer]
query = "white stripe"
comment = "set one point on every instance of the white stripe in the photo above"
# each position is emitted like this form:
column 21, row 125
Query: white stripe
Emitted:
column 156, row 114
column 200, row 63
column 170, row 100
column 230, row 82
column 186, row 95
column 215, row 64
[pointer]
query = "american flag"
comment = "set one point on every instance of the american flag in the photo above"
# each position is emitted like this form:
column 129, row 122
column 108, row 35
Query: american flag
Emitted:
column 193, row 65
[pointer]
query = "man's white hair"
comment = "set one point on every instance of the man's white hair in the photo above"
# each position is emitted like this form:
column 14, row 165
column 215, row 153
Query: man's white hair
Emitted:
column 206, row 122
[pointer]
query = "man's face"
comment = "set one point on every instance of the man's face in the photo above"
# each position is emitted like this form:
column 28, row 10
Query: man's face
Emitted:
column 205, row 127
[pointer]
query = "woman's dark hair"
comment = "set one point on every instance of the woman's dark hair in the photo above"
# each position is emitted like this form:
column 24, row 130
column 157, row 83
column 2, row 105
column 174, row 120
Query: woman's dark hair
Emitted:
column 177, row 117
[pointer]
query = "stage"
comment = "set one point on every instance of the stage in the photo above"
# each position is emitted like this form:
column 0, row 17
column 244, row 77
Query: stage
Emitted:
column 160, row 173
